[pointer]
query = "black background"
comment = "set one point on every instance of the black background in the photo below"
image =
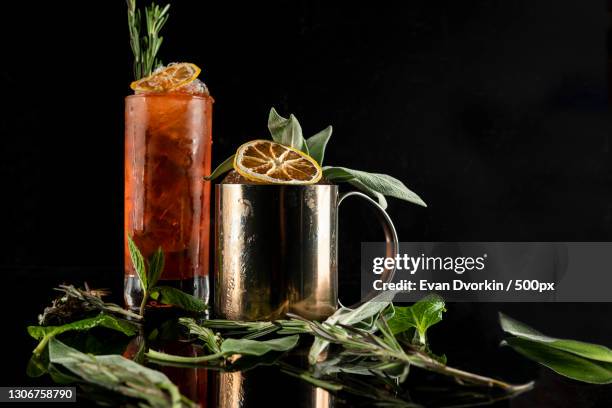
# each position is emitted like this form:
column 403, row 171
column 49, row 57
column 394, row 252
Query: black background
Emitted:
column 495, row 112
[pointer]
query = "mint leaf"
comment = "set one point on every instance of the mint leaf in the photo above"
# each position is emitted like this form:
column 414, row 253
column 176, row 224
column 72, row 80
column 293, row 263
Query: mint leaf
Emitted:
column 156, row 266
column 317, row 144
column 175, row 297
column 223, row 168
column 286, row 131
column 381, row 183
column 46, row 333
column 579, row 348
column 562, row 362
column 138, row 262
column 421, row 316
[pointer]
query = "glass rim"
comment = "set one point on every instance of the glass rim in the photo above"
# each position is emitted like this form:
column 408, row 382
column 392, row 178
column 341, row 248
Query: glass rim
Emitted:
column 161, row 94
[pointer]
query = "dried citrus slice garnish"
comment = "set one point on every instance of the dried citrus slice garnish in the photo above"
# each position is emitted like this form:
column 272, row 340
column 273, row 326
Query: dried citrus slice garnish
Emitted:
column 167, row 79
column 265, row 161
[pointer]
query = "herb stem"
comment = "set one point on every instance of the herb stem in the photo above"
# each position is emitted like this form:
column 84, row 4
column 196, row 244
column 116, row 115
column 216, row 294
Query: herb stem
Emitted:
column 41, row 345
column 424, row 361
column 143, row 304
column 159, row 356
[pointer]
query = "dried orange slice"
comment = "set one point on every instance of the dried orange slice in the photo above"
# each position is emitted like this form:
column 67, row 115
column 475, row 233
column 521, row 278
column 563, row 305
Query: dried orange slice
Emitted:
column 169, row 78
column 269, row 162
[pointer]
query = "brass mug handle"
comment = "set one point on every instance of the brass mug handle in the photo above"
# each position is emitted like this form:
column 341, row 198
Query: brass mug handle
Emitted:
column 392, row 242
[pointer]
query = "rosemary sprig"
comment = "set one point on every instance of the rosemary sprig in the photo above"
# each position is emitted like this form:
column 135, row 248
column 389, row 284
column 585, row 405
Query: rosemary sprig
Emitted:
column 359, row 342
column 369, row 350
column 76, row 303
column 145, row 47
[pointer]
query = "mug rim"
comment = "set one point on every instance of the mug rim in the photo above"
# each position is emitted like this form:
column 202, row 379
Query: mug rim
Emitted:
column 249, row 185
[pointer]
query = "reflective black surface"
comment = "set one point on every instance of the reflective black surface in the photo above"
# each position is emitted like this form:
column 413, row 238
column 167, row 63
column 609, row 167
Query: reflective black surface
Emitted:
column 495, row 112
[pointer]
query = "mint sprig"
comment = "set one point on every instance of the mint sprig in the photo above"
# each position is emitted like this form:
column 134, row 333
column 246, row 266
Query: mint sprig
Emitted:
column 149, row 273
column 288, row 131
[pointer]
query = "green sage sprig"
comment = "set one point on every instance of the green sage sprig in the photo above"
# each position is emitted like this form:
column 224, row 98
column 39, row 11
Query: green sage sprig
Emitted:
column 116, row 374
column 581, row 361
column 287, row 131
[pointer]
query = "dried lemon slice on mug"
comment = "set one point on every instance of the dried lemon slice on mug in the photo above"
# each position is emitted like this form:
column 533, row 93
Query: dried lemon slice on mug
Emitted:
column 166, row 79
column 265, row 161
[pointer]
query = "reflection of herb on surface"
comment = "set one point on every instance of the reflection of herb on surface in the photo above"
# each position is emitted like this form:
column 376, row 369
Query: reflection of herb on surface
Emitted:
column 287, row 131
column 149, row 272
column 587, row 362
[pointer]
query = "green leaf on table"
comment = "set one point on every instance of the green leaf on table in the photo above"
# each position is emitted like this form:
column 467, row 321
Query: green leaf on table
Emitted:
column 230, row 347
column 168, row 295
column 580, row 348
column 420, row 316
column 45, row 333
column 156, row 267
column 381, row 183
column 117, row 374
column 221, row 169
column 249, row 347
column 286, row 131
column 347, row 316
column 562, row 362
column 138, row 262
column 317, row 144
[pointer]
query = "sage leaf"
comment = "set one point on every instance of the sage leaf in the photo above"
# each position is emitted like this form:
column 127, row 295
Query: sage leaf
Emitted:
column 168, row 295
column 317, row 144
column 118, row 374
column 156, row 267
column 347, row 316
column 579, row 348
column 138, row 262
column 382, row 201
column 223, row 168
column 421, row 316
column 564, row 363
column 381, row 183
column 286, row 131
column 249, row 347
column 231, row 347
column 45, row 333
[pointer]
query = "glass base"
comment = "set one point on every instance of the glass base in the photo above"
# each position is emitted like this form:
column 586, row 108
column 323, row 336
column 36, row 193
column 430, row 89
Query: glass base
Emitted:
column 132, row 292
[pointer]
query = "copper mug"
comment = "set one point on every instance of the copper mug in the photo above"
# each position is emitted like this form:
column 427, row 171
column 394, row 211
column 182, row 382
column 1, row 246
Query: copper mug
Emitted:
column 276, row 250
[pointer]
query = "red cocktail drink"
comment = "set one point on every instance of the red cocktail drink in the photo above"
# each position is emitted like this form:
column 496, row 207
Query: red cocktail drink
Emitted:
column 167, row 153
